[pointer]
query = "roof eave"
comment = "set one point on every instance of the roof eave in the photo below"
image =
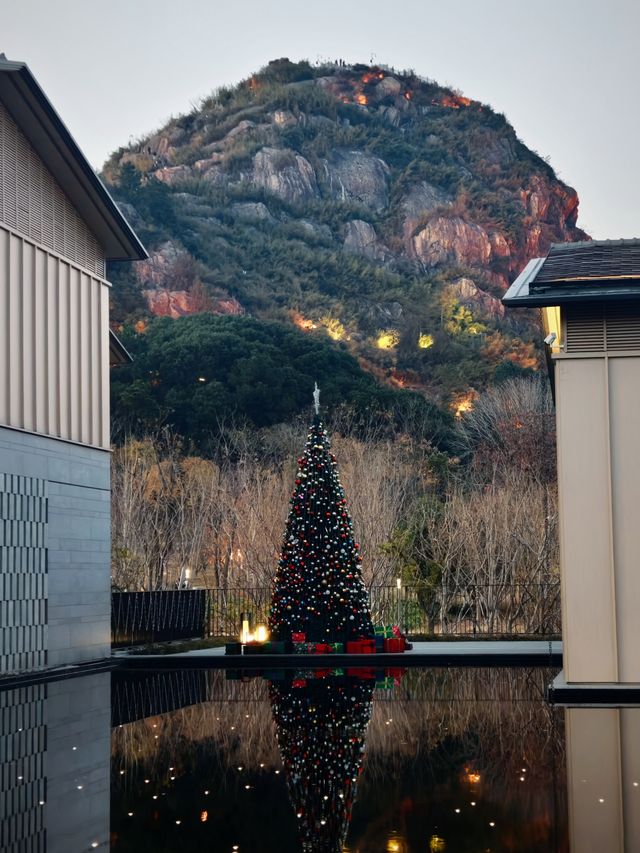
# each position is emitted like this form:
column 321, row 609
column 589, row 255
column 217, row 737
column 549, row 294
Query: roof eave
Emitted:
column 518, row 293
column 118, row 353
column 41, row 124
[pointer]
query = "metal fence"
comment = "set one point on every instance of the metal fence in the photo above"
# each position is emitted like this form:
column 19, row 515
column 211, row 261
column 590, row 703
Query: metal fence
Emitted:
column 151, row 617
column 476, row 610
column 483, row 610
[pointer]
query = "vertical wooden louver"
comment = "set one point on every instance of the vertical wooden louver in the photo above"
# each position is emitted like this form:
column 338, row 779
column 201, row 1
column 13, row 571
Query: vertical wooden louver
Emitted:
column 614, row 327
column 34, row 204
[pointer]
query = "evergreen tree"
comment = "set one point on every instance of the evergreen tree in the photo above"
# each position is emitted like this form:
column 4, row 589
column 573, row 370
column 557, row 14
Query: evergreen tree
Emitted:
column 321, row 727
column 318, row 587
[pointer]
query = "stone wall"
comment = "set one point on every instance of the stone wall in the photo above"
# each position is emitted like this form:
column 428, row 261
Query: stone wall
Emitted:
column 73, row 482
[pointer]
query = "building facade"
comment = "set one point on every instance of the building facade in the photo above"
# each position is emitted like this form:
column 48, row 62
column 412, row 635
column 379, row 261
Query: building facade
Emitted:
column 590, row 296
column 58, row 227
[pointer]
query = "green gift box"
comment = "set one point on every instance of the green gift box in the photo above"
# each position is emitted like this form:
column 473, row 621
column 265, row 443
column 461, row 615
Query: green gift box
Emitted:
column 337, row 648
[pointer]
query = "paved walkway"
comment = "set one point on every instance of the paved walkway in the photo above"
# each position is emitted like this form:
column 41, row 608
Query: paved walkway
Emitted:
column 461, row 653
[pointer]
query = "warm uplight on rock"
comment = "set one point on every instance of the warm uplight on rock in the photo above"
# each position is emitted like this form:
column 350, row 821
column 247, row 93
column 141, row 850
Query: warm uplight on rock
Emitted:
column 463, row 403
column 303, row 322
column 387, row 340
column 454, row 102
column 425, row 341
column 334, row 328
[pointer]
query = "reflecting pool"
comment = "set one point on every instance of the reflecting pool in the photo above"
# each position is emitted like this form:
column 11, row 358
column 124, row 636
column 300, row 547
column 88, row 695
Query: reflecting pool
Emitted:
column 321, row 761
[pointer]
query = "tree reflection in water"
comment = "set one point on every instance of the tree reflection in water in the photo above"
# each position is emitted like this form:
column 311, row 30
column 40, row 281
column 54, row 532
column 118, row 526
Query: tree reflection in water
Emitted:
column 437, row 741
column 321, row 726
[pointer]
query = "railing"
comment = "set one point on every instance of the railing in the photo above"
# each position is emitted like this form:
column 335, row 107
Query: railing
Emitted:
column 476, row 610
column 151, row 617
column 524, row 609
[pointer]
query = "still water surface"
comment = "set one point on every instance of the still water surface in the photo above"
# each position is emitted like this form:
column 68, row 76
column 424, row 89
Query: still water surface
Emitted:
column 364, row 761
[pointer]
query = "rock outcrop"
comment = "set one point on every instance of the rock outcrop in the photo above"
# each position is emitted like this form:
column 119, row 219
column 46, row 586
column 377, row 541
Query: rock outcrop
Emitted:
column 361, row 239
column 419, row 202
column 452, row 240
column 285, row 174
column 357, row 176
column 255, row 210
column 467, row 293
column 181, row 303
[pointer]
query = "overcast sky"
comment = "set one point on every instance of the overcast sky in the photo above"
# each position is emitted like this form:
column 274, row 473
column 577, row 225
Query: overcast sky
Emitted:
column 565, row 72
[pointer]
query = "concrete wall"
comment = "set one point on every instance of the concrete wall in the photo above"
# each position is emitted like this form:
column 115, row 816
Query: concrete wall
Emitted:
column 77, row 543
column 598, row 421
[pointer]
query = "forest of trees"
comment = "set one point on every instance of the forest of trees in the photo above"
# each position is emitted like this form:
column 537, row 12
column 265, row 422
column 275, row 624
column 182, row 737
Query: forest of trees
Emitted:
column 484, row 514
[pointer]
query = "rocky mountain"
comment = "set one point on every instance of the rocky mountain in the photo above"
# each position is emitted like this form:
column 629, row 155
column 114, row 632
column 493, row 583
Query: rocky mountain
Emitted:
column 368, row 206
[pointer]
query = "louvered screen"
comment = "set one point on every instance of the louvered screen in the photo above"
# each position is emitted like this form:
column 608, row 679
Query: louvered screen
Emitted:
column 33, row 203
column 623, row 327
column 600, row 328
column 584, row 328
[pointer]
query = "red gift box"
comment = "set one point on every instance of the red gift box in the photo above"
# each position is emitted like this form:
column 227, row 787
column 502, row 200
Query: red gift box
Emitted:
column 323, row 649
column 361, row 647
column 394, row 644
column 322, row 673
column 395, row 672
column 299, row 637
column 362, row 672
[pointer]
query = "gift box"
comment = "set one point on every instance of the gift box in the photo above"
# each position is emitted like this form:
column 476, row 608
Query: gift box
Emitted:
column 385, row 683
column 361, row 647
column 323, row 649
column 395, row 672
column 394, row 644
column 365, row 673
column 379, row 642
column 233, row 649
column 304, row 648
column 299, row 637
column 275, row 647
column 322, row 673
column 336, row 648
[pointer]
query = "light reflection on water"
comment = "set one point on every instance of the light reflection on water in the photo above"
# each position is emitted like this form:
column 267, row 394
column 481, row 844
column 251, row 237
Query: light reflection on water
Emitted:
column 435, row 761
column 472, row 759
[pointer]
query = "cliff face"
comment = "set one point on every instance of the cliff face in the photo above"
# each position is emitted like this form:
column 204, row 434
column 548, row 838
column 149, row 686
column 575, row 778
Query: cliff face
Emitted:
column 325, row 192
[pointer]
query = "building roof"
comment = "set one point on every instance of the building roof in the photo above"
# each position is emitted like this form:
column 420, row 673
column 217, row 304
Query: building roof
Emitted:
column 34, row 114
column 590, row 271
column 118, row 354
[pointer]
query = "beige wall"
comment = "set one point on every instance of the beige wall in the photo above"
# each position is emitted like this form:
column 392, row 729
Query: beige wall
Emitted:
column 603, row 779
column 598, row 420
column 54, row 345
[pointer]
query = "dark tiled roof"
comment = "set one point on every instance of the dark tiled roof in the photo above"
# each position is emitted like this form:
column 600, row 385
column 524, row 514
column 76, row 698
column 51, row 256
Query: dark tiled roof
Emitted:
column 588, row 261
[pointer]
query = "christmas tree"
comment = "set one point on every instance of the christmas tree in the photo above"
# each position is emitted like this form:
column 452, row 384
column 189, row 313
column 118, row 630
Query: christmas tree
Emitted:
column 321, row 727
column 319, row 590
